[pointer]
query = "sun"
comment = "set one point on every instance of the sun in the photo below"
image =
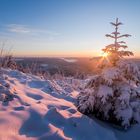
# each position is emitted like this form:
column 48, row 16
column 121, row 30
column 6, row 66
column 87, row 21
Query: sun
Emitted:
column 104, row 54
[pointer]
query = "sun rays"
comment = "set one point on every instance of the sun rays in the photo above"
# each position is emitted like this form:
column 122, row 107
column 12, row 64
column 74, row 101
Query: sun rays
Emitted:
column 104, row 54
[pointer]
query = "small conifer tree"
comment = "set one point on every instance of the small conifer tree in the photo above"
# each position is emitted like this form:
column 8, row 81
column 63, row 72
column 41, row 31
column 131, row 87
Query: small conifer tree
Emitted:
column 114, row 94
column 116, row 50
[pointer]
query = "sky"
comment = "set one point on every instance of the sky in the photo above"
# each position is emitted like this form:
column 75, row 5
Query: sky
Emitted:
column 66, row 28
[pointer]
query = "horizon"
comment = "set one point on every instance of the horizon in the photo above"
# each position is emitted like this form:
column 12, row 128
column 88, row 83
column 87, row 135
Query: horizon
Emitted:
column 66, row 28
column 70, row 57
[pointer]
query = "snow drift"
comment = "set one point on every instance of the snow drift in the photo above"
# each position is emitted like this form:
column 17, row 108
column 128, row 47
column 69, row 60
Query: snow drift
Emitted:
column 32, row 109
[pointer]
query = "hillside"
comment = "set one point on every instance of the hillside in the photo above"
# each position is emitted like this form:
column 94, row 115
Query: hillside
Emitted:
column 36, row 109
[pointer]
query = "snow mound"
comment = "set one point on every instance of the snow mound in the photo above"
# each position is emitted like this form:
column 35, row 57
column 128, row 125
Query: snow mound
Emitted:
column 36, row 109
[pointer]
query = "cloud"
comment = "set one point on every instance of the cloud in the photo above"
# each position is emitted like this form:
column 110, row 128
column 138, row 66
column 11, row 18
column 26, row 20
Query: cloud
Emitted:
column 23, row 29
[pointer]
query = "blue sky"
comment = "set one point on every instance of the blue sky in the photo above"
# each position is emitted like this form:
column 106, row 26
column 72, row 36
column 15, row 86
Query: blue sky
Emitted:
column 66, row 27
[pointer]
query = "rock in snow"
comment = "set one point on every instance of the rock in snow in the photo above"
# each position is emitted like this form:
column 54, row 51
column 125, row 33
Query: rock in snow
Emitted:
column 34, row 109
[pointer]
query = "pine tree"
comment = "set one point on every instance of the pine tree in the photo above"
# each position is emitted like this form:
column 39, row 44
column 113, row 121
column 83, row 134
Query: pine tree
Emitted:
column 116, row 50
column 114, row 94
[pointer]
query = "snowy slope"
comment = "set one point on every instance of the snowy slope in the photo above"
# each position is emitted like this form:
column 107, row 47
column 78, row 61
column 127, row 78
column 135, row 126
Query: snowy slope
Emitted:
column 42, row 110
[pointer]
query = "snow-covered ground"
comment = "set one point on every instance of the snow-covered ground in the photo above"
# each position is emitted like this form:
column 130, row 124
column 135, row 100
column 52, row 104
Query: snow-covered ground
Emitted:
column 44, row 110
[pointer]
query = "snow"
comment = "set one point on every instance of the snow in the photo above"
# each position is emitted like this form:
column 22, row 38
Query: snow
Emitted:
column 113, row 95
column 104, row 91
column 110, row 74
column 43, row 110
